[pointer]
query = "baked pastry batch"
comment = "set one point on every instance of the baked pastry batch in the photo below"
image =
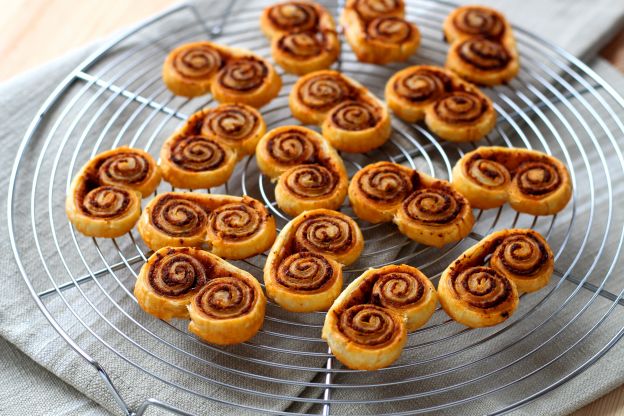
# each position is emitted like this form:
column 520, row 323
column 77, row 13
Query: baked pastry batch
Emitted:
column 367, row 323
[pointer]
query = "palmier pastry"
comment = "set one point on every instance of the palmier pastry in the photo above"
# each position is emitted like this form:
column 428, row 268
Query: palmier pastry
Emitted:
column 425, row 209
column 453, row 109
column 483, row 48
column 366, row 327
column 303, row 36
column 105, row 196
column 204, row 152
column 232, row 75
column 228, row 226
column 225, row 304
column 532, row 182
column 352, row 119
column 310, row 172
column 303, row 271
column 477, row 291
column 378, row 32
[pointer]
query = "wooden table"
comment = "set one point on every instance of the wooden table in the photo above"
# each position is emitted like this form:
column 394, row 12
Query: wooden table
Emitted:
column 36, row 31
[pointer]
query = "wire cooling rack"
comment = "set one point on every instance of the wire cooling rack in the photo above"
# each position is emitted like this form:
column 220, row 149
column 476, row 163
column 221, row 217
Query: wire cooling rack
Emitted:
column 84, row 286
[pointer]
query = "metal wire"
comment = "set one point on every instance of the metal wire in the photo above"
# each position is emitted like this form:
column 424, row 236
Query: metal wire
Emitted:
column 556, row 104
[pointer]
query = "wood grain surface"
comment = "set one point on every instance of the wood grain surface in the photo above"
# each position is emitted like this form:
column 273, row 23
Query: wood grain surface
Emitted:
column 36, row 31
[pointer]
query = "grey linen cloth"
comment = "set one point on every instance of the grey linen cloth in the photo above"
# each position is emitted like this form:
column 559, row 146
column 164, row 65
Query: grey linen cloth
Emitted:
column 42, row 375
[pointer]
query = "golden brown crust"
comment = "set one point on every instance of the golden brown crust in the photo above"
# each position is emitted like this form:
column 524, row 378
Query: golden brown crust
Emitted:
column 204, row 152
column 378, row 32
column 238, row 125
column 225, row 304
column 294, row 17
column 481, row 287
column 230, row 227
column 302, row 53
column 303, row 36
column 195, row 162
column 310, row 173
column 104, row 199
column 425, row 209
column 366, row 327
column 530, row 181
column 231, row 75
column 190, row 68
column 483, row 49
column 453, row 109
column 352, row 119
column 246, row 79
column 303, row 271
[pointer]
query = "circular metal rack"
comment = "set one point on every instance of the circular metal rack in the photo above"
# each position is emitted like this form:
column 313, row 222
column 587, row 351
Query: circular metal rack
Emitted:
column 84, row 286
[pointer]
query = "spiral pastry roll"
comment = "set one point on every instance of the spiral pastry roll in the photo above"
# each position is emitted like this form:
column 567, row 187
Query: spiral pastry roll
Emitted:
column 190, row 68
column 453, row 109
column 483, row 48
column 410, row 91
column 246, row 79
column 530, row 181
column 193, row 162
column 104, row 199
column 352, row 119
column 477, row 291
column 303, row 271
column 225, row 304
column 310, row 173
column 377, row 191
column 203, row 154
column 227, row 226
column 366, row 326
column 238, row 125
column 303, row 36
column 378, row 32
column 231, row 75
column 425, row 209
column 461, row 116
column 522, row 255
column 314, row 95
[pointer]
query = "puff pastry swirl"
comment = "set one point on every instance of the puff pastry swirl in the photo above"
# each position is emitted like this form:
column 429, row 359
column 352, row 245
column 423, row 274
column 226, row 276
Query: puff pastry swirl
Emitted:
column 483, row 48
column 453, row 109
column 378, row 32
column 425, row 209
column 303, row 272
column 310, row 173
column 104, row 199
column 204, row 152
column 352, row 119
column 226, row 305
column 530, row 181
column 231, row 75
column 302, row 34
column 367, row 325
column 477, row 291
column 228, row 226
